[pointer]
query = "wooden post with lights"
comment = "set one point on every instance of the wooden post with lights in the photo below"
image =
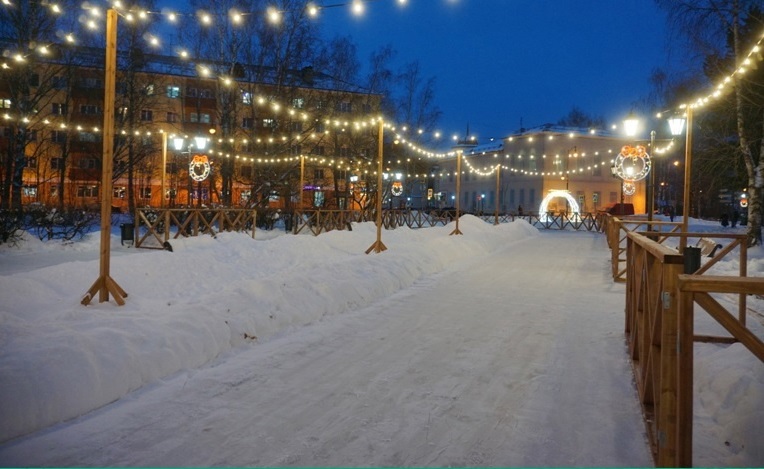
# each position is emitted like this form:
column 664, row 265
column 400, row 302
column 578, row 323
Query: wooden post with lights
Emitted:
column 164, row 168
column 302, row 179
column 496, row 210
column 458, row 190
column 105, row 284
column 378, row 245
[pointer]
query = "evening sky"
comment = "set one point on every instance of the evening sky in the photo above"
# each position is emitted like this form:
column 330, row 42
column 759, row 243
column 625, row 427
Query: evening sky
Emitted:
column 505, row 64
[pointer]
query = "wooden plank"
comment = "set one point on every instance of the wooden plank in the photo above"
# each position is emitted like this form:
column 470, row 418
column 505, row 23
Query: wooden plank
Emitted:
column 729, row 322
column 712, row 339
column 665, row 254
column 685, row 381
column 669, row 372
column 722, row 284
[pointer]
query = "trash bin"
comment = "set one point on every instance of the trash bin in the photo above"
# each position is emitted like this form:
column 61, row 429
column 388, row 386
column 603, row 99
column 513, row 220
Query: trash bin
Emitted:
column 691, row 259
column 128, row 232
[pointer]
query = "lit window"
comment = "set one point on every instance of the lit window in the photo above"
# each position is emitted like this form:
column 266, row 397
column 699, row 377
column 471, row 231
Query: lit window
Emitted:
column 87, row 191
column 29, row 191
column 173, row 91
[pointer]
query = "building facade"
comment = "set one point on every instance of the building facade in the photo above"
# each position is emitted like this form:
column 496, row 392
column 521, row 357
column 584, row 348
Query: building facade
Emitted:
column 531, row 172
column 262, row 139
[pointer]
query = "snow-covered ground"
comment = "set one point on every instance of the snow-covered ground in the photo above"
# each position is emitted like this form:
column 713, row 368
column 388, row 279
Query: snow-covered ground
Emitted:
column 501, row 347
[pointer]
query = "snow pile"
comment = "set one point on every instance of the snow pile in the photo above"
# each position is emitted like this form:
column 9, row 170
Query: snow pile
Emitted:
column 59, row 360
column 211, row 296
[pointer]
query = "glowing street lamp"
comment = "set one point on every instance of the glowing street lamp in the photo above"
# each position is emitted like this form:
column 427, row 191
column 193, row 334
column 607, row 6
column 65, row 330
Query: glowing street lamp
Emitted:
column 631, row 125
column 197, row 170
column 676, row 125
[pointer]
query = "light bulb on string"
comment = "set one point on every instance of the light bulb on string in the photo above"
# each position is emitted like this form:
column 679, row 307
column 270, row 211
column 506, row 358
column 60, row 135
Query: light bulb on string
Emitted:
column 357, row 7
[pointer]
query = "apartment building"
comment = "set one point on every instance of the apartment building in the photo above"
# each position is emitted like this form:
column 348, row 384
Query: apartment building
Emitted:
column 264, row 135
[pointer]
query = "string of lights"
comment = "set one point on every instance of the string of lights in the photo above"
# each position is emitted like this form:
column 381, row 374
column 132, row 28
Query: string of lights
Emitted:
column 275, row 16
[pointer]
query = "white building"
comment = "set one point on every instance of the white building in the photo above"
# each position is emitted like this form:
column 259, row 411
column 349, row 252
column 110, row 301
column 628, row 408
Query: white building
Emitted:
column 521, row 170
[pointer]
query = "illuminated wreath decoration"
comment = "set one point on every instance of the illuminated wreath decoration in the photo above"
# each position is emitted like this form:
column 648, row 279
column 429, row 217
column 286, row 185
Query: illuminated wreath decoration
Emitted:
column 397, row 188
column 629, row 188
column 199, row 168
column 633, row 163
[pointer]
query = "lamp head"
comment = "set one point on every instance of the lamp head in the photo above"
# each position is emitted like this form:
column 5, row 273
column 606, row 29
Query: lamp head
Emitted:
column 676, row 125
column 201, row 142
column 631, row 124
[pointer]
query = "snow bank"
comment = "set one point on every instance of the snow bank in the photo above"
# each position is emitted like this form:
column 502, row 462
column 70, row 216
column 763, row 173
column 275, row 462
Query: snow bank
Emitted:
column 59, row 359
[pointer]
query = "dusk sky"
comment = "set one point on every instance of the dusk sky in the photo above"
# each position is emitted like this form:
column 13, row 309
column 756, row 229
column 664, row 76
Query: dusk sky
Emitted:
column 503, row 64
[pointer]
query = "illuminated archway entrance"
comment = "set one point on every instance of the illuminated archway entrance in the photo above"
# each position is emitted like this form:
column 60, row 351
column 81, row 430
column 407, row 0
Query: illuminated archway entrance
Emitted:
column 553, row 195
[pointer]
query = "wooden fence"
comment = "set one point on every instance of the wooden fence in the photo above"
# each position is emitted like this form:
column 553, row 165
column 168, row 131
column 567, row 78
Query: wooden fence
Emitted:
column 154, row 227
column 150, row 223
column 660, row 300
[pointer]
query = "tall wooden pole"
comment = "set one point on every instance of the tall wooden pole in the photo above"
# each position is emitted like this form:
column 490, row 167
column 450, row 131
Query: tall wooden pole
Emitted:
column 687, row 175
column 496, row 210
column 105, row 284
column 164, row 168
column 378, row 245
column 302, row 178
column 458, row 190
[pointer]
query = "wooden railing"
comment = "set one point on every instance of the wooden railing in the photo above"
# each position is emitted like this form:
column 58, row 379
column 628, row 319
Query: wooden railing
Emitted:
column 695, row 289
column 617, row 230
column 650, row 329
column 659, row 332
column 151, row 222
column 155, row 226
column 318, row 221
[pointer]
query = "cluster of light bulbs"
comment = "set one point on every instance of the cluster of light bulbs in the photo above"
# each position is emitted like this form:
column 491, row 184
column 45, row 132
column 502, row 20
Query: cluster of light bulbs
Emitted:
column 275, row 16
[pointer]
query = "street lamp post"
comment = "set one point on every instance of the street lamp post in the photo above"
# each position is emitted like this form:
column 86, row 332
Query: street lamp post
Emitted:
column 200, row 143
column 651, row 184
column 676, row 124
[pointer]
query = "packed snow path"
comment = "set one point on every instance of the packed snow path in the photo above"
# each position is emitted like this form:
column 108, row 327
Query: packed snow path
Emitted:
column 487, row 365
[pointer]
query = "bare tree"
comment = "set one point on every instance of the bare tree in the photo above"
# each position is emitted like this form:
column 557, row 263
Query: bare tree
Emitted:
column 28, row 29
column 578, row 118
column 715, row 29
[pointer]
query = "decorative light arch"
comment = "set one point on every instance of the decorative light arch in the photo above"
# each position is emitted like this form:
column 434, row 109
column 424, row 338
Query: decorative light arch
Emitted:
column 553, row 195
